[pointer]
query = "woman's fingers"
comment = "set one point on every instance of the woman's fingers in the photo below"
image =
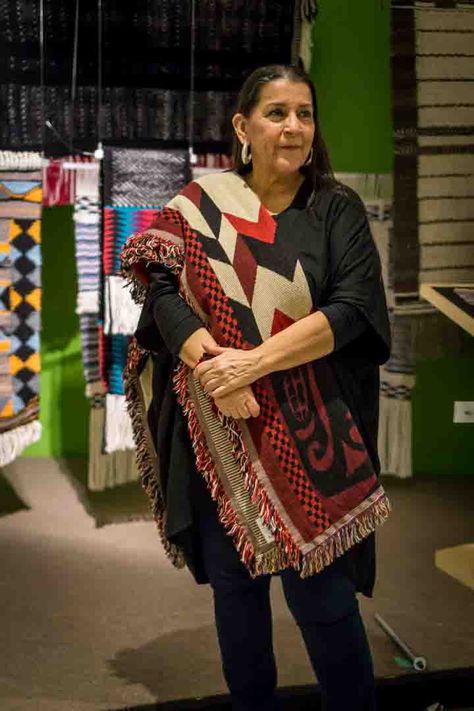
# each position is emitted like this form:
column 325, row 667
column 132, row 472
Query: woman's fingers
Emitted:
column 239, row 404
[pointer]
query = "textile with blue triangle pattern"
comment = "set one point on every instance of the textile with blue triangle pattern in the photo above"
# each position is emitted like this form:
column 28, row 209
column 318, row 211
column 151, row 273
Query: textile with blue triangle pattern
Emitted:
column 20, row 298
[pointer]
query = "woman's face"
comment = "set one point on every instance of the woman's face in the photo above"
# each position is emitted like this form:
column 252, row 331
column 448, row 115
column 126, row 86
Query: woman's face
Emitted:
column 280, row 128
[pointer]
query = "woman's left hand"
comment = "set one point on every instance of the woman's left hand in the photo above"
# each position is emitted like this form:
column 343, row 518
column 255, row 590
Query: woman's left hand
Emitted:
column 229, row 369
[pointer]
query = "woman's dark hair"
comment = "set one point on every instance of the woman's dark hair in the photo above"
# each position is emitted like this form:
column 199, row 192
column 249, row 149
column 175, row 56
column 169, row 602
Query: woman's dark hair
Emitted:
column 319, row 170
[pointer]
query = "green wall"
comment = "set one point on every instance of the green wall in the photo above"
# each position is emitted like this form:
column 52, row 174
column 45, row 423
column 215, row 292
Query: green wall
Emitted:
column 351, row 71
column 64, row 408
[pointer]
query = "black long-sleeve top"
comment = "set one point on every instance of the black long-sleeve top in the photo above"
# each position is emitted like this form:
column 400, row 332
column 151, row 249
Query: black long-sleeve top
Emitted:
column 176, row 321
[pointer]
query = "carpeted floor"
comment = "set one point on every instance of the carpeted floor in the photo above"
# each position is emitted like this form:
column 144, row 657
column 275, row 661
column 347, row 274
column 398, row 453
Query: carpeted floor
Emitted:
column 96, row 618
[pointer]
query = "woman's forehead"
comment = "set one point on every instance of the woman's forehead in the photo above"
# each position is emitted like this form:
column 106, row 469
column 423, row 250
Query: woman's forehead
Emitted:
column 283, row 91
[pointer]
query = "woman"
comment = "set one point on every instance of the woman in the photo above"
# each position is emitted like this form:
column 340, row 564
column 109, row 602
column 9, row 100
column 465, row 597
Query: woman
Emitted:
column 263, row 301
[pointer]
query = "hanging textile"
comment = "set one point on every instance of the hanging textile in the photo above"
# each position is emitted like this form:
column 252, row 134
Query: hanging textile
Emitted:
column 432, row 72
column 210, row 163
column 432, row 239
column 145, row 98
column 136, row 183
column 20, row 301
column 59, row 181
column 87, row 244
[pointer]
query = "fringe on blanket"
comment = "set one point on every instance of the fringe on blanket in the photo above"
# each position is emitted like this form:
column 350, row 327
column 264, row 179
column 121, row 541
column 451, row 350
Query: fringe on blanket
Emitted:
column 121, row 312
column 107, row 471
column 118, row 426
column 87, row 302
column 20, row 160
column 302, row 44
column 13, row 442
column 395, row 424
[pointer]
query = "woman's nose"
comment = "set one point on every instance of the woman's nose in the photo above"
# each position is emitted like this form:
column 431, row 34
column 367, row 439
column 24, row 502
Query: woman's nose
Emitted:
column 292, row 122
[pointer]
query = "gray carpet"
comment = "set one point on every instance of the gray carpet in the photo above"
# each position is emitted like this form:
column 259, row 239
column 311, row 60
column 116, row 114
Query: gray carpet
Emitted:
column 97, row 618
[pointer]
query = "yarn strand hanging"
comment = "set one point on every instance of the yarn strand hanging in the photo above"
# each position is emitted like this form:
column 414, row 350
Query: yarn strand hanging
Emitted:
column 192, row 155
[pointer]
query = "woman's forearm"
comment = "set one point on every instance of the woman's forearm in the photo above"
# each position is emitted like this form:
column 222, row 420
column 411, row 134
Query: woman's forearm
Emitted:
column 305, row 340
column 192, row 348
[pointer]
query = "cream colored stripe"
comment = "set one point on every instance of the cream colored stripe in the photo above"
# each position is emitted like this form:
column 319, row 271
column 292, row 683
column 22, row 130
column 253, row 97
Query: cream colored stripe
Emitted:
column 446, row 276
column 191, row 214
column 228, row 238
column 446, row 232
column 445, row 186
column 446, row 162
column 444, row 67
column 231, row 194
column 444, row 42
column 444, row 140
column 445, row 209
column 229, row 280
column 273, row 291
column 445, row 92
column 446, row 116
column 446, row 255
column 443, row 20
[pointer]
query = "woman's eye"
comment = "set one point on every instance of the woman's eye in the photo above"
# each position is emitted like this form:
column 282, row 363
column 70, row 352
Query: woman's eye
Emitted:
column 305, row 114
column 275, row 112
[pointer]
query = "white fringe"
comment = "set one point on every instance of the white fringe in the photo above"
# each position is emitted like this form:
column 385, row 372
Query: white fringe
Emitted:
column 20, row 160
column 87, row 179
column 121, row 312
column 118, row 425
column 12, row 443
column 395, row 428
column 87, row 302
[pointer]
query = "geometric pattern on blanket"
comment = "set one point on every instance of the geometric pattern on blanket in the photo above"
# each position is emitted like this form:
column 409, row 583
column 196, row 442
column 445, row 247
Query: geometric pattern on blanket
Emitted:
column 20, row 301
column 134, row 180
column 88, row 267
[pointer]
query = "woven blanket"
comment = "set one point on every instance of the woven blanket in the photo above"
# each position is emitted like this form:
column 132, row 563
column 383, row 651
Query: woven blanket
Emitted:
column 432, row 239
column 20, row 302
column 432, row 73
column 59, row 181
column 120, row 223
column 136, row 184
column 143, row 98
column 295, row 485
column 138, row 178
column 88, row 266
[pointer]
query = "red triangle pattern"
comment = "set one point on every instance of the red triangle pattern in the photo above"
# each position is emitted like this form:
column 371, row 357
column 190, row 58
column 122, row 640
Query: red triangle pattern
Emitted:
column 264, row 230
column 280, row 321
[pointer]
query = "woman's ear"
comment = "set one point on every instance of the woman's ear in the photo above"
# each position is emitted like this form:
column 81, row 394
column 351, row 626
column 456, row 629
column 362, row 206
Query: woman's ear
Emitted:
column 239, row 124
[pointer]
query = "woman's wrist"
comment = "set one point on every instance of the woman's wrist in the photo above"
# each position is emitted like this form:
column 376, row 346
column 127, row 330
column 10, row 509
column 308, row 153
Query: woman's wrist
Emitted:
column 192, row 349
column 261, row 361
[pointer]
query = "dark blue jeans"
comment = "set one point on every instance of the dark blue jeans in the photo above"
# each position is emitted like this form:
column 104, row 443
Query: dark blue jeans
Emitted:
column 324, row 606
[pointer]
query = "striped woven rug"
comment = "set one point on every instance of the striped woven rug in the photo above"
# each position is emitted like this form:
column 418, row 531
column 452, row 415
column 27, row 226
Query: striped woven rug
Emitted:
column 432, row 240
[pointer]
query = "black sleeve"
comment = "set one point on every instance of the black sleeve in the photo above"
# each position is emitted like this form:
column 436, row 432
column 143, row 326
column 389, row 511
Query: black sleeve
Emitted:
column 346, row 321
column 355, row 273
column 166, row 311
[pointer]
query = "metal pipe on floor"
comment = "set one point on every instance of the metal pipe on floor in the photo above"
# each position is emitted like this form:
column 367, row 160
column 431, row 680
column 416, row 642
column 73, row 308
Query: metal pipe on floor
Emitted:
column 419, row 663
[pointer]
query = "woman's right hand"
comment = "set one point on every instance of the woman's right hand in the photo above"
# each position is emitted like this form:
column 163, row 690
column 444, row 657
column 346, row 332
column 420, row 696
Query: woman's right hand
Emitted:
column 240, row 403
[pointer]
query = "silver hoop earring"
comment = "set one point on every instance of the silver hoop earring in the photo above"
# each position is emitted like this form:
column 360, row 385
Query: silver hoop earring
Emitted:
column 309, row 159
column 246, row 154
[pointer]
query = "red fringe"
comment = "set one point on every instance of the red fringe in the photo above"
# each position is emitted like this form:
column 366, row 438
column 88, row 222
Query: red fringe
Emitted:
column 227, row 515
